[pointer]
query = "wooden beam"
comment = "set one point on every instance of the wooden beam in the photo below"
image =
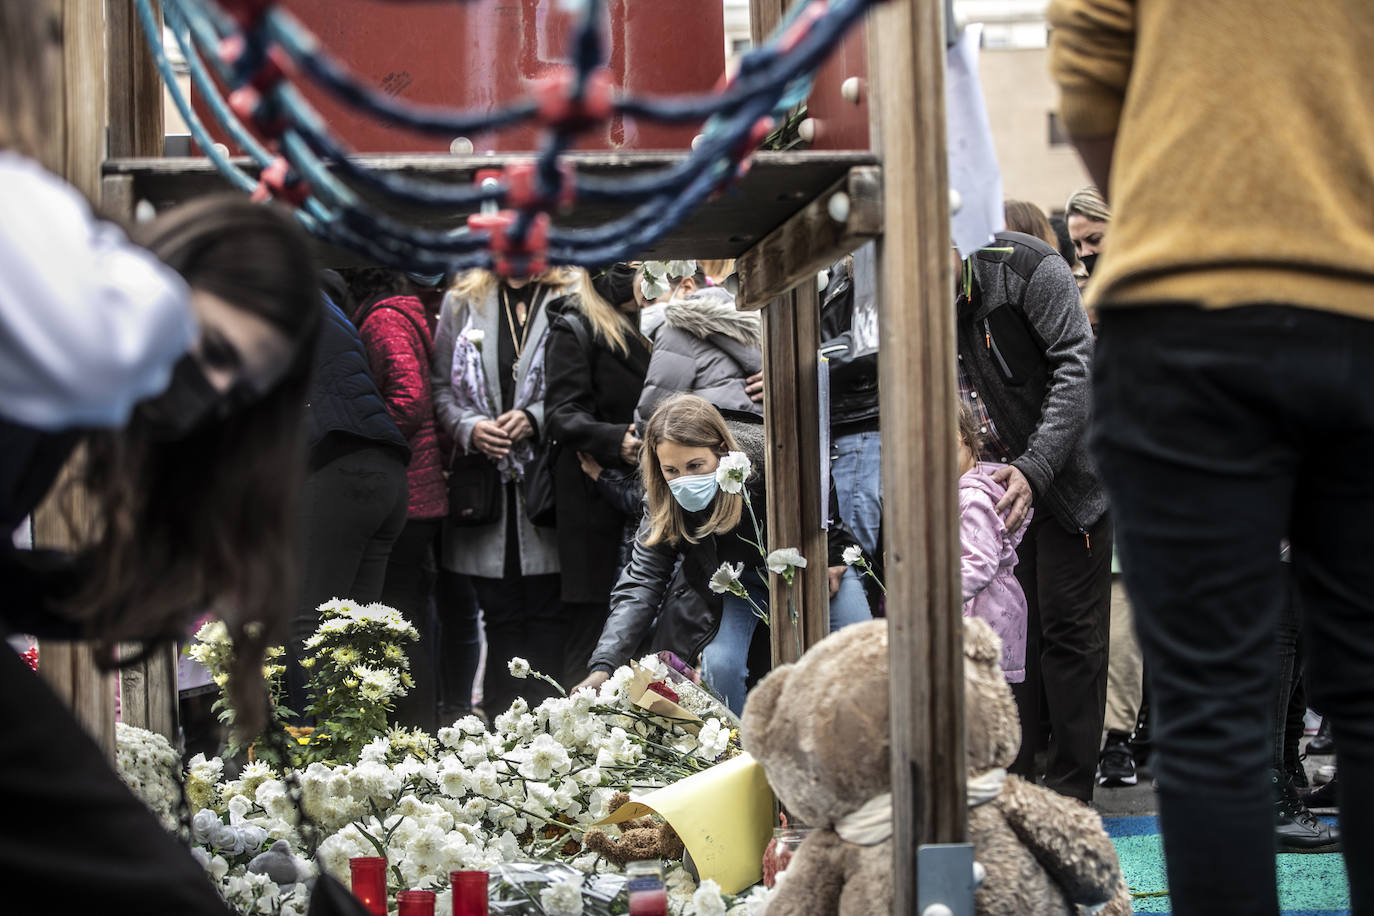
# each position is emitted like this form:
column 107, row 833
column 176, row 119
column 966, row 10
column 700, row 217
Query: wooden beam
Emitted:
column 76, row 148
column 916, row 318
column 133, row 84
column 777, row 185
column 847, row 215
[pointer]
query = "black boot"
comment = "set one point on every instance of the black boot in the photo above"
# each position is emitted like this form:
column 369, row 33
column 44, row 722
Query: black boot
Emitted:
column 1324, row 797
column 1322, row 743
column 1295, row 828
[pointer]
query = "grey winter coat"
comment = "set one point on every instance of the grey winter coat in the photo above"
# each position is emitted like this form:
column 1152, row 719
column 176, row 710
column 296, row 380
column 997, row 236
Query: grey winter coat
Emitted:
column 1026, row 345
column 707, row 348
column 481, row 551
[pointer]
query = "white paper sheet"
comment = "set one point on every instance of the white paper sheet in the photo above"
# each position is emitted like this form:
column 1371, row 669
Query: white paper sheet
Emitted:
column 973, row 171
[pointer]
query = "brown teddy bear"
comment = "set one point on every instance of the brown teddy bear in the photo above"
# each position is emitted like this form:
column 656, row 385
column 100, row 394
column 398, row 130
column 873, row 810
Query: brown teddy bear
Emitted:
column 820, row 729
column 639, row 839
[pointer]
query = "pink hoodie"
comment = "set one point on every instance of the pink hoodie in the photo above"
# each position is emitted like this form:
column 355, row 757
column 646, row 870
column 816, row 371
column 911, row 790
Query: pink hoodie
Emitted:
column 987, row 562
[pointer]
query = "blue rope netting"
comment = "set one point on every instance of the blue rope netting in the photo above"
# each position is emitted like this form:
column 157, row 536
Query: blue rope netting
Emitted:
column 256, row 49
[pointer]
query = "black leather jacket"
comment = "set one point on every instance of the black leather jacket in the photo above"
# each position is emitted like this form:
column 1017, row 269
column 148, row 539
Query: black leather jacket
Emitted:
column 663, row 599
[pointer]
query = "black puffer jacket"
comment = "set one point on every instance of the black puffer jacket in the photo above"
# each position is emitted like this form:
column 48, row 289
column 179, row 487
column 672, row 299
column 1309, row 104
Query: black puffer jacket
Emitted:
column 853, row 378
column 345, row 409
column 657, row 585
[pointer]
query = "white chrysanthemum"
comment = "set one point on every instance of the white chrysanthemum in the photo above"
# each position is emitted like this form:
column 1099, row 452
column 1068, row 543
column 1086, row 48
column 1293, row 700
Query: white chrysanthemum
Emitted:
column 712, row 740
column 853, row 554
column 547, row 757
column 707, row 900
column 562, row 898
column 518, row 667
column 726, row 578
column 785, row 559
column 733, row 471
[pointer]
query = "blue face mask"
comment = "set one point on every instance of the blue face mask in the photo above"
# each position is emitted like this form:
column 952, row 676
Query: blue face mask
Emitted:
column 694, row 493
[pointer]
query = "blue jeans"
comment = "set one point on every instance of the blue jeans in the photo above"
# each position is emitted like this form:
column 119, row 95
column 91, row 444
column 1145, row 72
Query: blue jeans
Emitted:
column 857, row 468
column 1218, row 433
column 725, row 660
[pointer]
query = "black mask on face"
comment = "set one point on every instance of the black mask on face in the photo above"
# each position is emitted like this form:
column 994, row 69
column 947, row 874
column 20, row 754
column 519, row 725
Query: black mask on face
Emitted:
column 189, row 401
column 1089, row 262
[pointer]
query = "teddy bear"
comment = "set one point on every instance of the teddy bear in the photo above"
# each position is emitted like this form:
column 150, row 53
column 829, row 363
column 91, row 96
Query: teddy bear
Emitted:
column 642, row 838
column 820, row 729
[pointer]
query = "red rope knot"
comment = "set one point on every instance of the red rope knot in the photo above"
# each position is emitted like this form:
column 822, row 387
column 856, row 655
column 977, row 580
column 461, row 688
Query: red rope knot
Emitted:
column 252, row 107
column 247, row 13
column 523, row 190
column 270, row 70
column 509, row 257
column 556, row 108
column 281, row 182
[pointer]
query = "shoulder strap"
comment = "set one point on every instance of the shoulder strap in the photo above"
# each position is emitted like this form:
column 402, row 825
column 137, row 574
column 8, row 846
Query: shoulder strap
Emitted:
column 579, row 329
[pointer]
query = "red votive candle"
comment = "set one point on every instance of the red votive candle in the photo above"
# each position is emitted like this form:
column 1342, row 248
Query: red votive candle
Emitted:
column 469, row 893
column 415, row 903
column 369, row 882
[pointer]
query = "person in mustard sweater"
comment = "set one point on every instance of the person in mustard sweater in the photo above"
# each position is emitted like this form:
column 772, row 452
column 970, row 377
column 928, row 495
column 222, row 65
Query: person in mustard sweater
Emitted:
column 1235, row 141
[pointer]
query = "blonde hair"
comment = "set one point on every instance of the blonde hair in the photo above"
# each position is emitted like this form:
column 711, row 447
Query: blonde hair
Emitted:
column 475, row 286
column 606, row 320
column 1024, row 216
column 717, row 271
column 1088, row 202
column 694, row 422
column 30, row 45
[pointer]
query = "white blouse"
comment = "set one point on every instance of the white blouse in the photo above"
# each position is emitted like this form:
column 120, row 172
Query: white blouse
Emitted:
column 90, row 323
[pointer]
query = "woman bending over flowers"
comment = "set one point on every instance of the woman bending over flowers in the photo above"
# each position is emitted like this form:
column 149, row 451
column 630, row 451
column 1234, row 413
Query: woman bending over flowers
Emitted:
column 699, row 531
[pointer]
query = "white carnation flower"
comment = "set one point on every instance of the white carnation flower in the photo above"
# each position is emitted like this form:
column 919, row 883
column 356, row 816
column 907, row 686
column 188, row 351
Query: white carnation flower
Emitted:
column 707, row 900
column 853, row 555
column 475, row 336
column 784, row 560
column 733, row 471
column 519, row 668
column 562, row 898
column 726, row 579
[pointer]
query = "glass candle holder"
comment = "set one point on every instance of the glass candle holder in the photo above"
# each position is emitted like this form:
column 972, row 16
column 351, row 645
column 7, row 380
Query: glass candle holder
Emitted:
column 415, row 903
column 780, row 850
column 469, row 893
column 648, row 896
column 369, row 882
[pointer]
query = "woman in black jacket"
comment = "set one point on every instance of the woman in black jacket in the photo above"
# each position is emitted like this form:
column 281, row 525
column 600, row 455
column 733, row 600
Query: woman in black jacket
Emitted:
column 596, row 364
column 689, row 517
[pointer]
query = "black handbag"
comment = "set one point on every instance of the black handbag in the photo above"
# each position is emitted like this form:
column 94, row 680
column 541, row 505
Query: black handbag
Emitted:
column 474, row 491
column 541, row 501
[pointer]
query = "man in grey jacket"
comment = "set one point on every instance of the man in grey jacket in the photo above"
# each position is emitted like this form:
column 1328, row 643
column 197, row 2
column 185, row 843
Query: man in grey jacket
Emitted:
column 1024, row 352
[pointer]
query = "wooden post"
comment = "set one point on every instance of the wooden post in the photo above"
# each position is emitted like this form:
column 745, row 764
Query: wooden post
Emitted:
column 76, row 148
column 791, row 334
column 917, row 381
column 148, row 689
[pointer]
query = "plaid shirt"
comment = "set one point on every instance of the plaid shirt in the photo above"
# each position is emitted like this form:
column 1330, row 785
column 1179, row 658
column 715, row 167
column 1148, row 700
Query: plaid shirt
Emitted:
column 994, row 449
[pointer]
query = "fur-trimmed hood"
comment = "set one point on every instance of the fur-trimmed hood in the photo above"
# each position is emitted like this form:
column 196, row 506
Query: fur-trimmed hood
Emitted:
column 711, row 311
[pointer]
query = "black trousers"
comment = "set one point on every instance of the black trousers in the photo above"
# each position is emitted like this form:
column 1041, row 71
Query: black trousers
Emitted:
column 74, row 838
column 585, row 621
column 1067, row 578
column 460, row 643
column 524, row 618
column 353, row 509
column 409, row 588
column 1220, row 432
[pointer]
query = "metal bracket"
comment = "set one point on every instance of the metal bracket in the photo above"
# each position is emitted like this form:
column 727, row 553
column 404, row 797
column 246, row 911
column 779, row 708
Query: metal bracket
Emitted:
column 944, row 879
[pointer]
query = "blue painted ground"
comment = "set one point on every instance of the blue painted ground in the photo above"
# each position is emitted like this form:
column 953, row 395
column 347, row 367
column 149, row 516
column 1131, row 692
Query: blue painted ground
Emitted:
column 1309, row 885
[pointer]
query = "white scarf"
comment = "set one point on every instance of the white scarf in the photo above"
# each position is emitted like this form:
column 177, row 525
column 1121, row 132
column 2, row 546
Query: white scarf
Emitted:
column 871, row 824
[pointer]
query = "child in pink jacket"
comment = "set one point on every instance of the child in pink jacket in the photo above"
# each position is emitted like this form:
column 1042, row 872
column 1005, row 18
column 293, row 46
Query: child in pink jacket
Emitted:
column 988, row 556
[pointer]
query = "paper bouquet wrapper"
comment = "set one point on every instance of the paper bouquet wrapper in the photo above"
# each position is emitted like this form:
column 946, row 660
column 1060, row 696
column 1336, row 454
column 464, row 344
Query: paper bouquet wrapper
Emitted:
column 647, row 699
column 724, row 816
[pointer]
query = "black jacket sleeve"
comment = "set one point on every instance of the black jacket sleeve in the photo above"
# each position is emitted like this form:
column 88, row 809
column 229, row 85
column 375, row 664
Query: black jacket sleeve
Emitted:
column 635, row 601
column 623, row 490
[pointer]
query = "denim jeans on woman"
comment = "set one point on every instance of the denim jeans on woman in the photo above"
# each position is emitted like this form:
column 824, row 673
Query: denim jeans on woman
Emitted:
column 1218, row 433
column 725, row 660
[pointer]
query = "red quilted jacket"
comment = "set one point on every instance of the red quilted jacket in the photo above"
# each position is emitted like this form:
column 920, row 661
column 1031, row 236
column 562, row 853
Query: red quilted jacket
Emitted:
column 400, row 349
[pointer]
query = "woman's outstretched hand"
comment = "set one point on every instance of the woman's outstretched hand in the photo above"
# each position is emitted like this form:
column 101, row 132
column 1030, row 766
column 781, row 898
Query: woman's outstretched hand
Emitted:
column 592, row 681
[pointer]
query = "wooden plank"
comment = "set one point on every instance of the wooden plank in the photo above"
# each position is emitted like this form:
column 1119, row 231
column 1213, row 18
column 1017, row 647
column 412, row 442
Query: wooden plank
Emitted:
column 806, row 338
column 782, row 473
column 776, row 187
column 907, row 48
column 148, row 692
column 133, row 84
column 813, row 238
column 76, row 148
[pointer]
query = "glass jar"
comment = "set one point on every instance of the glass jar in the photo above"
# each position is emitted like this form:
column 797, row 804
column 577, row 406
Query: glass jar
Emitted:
column 368, row 875
column 648, row 896
column 780, row 850
column 469, row 893
column 415, row 903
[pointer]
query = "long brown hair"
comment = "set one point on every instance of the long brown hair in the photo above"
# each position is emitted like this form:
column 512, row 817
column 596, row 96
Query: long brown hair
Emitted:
column 694, row 422
column 30, row 53
column 209, row 521
column 1024, row 216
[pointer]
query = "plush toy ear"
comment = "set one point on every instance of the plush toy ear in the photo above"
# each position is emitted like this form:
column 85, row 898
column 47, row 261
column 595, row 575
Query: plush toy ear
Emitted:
column 981, row 644
column 758, row 709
